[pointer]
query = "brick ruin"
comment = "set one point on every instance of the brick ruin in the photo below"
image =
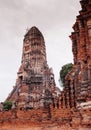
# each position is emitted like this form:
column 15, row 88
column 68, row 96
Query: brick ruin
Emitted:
column 78, row 82
column 35, row 87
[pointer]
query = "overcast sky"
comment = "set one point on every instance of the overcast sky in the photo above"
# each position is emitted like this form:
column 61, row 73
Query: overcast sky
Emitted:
column 54, row 18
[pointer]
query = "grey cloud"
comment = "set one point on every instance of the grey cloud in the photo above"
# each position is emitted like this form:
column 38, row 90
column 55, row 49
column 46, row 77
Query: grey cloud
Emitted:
column 49, row 12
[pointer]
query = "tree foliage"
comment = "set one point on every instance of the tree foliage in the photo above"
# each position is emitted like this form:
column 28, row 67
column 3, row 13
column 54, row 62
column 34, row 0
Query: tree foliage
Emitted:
column 7, row 105
column 64, row 71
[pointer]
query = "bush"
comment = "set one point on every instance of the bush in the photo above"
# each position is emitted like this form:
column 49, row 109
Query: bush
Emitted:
column 64, row 71
column 7, row 105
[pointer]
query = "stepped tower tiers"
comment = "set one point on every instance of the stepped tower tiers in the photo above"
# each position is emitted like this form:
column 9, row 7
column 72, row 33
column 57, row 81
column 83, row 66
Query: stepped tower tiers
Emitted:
column 35, row 86
column 78, row 82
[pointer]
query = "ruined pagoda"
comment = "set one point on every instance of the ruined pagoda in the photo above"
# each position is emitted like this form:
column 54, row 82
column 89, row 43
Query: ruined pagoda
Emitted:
column 77, row 92
column 35, row 86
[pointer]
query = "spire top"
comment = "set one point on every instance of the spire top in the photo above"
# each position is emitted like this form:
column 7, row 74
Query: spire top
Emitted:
column 34, row 31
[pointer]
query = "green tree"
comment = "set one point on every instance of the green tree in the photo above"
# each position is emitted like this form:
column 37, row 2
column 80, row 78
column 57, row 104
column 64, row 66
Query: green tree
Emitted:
column 64, row 71
column 7, row 105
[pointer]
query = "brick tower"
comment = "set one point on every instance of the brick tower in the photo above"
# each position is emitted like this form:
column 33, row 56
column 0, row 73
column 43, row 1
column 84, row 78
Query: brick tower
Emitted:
column 35, row 85
column 77, row 90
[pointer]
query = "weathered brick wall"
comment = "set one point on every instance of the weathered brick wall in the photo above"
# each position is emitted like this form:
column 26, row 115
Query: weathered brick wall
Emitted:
column 60, row 119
